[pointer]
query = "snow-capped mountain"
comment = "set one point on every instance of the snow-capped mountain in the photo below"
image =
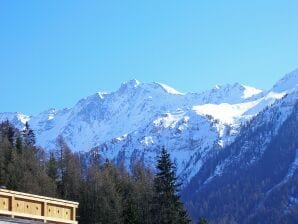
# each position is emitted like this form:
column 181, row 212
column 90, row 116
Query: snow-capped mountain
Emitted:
column 133, row 122
column 235, row 146
column 254, row 179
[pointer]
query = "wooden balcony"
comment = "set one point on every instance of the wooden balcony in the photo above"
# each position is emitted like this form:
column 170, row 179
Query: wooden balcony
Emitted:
column 33, row 207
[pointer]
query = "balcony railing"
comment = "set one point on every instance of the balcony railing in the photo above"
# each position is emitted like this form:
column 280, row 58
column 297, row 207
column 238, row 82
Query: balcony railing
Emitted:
column 28, row 206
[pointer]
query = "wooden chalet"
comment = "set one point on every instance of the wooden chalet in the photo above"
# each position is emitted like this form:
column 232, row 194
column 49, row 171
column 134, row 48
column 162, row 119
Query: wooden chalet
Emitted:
column 19, row 205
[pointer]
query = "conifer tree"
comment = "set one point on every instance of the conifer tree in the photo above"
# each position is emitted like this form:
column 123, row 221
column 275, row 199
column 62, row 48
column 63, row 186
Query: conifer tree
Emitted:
column 52, row 167
column 28, row 135
column 10, row 134
column 101, row 200
column 8, row 131
column 19, row 145
column 22, row 170
column 142, row 182
column 167, row 206
column 69, row 171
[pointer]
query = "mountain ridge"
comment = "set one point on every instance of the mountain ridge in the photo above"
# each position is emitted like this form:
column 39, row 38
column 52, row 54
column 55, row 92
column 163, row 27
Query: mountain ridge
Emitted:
column 132, row 122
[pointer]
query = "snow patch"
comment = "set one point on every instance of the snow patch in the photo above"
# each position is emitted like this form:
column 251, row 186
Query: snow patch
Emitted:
column 148, row 140
column 102, row 94
column 225, row 113
column 170, row 90
column 250, row 91
column 23, row 118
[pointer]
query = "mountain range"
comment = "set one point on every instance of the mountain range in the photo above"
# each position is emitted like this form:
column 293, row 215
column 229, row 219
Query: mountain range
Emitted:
column 235, row 146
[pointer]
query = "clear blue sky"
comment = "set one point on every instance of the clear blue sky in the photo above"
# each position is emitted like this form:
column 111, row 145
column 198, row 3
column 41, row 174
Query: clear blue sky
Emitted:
column 52, row 53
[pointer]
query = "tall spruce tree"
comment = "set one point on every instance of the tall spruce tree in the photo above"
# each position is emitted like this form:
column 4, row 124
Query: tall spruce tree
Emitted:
column 19, row 144
column 168, row 208
column 52, row 167
column 28, row 135
column 69, row 171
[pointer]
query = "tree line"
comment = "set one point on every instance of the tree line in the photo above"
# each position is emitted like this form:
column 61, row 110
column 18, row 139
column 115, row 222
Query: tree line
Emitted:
column 107, row 193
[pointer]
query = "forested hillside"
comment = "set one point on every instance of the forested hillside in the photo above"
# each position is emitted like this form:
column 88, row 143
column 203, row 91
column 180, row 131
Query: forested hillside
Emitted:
column 106, row 193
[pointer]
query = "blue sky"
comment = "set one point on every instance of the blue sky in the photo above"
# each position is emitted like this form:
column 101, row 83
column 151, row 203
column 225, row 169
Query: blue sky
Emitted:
column 52, row 53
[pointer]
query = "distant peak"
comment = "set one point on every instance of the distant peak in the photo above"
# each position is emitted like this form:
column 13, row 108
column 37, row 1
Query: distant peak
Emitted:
column 131, row 83
column 239, row 86
column 51, row 110
column 169, row 89
column 228, row 87
column 151, row 86
column 216, row 87
column 250, row 91
column 101, row 95
column 229, row 93
column 220, row 86
column 287, row 83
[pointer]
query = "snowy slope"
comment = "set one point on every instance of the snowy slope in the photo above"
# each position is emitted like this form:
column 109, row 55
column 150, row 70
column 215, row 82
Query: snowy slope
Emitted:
column 287, row 83
column 133, row 122
column 255, row 177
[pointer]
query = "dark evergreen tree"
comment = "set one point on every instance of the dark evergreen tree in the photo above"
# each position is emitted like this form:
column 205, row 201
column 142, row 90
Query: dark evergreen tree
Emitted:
column 167, row 206
column 69, row 171
column 22, row 170
column 101, row 200
column 28, row 135
column 142, row 182
column 19, row 144
column 52, row 167
column 8, row 131
column 5, row 159
column 10, row 134
column 127, row 189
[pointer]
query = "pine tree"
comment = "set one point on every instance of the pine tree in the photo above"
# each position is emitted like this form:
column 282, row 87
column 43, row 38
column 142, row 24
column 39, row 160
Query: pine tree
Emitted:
column 5, row 159
column 143, row 192
column 10, row 134
column 28, row 135
column 168, row 208
column 101, row 200
column 8, row 131
column 52, row 167
column 19, row 145
column 127, row 190
column 69, row 171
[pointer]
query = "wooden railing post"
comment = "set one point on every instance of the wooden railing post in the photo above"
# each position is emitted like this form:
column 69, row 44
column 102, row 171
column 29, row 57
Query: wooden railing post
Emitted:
column 12, row 209
column 73, row 213
column 45, row 211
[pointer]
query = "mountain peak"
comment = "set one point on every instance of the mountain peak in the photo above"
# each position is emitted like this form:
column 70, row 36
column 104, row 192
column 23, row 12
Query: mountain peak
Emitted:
column 287, row 83
column 250, row 91
column 169, row 89
column 236, row 85
column 151, row 86
column 133, row 83
column 230, row 93
column 101, row 95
